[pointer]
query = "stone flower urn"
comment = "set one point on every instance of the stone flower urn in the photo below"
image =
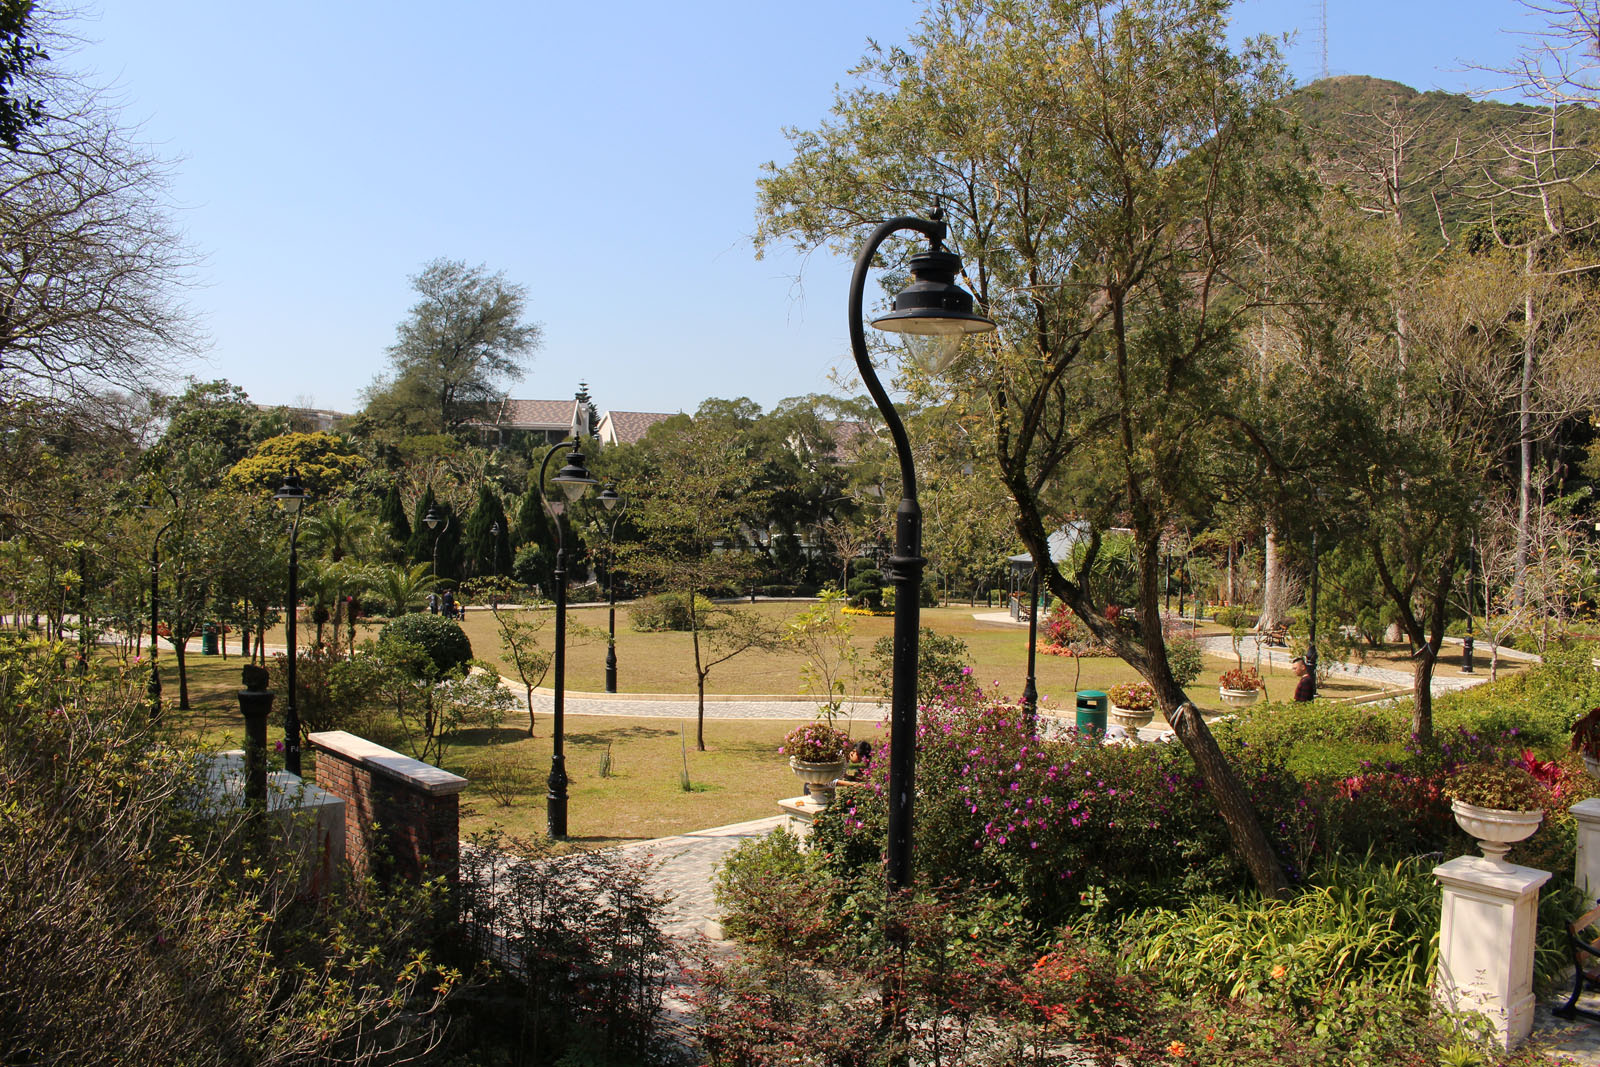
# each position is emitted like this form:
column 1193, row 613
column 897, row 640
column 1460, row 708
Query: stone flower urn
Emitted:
column 1591, row 765
column 819, row 776
column 1239, row 698
column 1496, row 829
column 1131, row 719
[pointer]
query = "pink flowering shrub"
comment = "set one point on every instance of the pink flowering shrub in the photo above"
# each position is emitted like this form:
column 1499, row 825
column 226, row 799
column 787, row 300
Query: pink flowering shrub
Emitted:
column 815, row 742
column 1042, row 820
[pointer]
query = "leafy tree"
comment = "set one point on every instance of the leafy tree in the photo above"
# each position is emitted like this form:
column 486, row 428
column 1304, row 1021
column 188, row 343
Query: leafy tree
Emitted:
column 520, row 631
column 463, row 338
column 822, row 633
column 689, row 501
column 403, row 589
column 20, row 53
column 325, row 464
column 392, row 516
column 1111, row 178
column 90, row 261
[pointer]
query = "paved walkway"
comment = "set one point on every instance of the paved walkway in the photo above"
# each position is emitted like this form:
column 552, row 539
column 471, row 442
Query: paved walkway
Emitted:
column 683, row 869
column 673, row 706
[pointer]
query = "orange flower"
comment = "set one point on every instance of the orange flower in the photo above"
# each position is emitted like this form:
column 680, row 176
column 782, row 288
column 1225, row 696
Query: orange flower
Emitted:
column 1279, row 971
column 1178, row 1049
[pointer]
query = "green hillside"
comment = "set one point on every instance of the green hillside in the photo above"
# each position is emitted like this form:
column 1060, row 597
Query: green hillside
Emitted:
column 1352, row 124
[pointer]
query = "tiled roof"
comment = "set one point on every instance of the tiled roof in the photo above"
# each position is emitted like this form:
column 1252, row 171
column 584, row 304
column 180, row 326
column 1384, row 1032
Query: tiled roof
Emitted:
column 626, row 427
column 512, row 414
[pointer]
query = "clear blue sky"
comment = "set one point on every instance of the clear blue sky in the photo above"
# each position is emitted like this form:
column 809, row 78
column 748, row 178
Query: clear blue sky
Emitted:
column 605, row 156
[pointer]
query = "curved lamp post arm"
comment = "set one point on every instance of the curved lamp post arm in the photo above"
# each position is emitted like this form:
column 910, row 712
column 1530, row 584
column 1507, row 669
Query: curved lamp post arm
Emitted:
column 935, row 232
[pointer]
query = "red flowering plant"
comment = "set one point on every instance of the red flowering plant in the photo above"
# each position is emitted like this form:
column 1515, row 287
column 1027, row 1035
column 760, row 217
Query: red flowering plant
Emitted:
column 815, row 742
column 1242, row 678
column 1586, row 734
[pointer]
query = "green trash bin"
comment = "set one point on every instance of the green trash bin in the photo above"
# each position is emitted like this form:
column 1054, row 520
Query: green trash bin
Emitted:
column 1092, row 705
column 208, row 640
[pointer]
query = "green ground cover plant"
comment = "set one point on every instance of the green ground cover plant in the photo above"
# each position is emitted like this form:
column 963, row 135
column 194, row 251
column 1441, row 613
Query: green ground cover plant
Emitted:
column 1100, row 885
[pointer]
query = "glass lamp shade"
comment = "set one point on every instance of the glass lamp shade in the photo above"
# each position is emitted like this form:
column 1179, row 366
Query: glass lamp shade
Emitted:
column 574, row 479
column 431, row 519
column 291, row 495
column 494, row 529
column 933, row 313
column 610, row 498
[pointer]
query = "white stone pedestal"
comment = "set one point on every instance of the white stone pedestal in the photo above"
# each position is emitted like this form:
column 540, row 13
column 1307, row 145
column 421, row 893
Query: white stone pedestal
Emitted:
column 802, row 812
column 1486, row 943
column 1587, row 873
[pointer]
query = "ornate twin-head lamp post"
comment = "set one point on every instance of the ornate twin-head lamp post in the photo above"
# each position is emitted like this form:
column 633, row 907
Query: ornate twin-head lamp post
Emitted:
column 616, row 504
column 574, row 480
column 933, row 314
column 291, row 497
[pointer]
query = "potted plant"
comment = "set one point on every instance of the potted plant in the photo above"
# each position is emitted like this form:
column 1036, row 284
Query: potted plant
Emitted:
column 1241, row 686
column 1586, row 741
column 1498, row 806
column 816, row 754
column 1133, row 704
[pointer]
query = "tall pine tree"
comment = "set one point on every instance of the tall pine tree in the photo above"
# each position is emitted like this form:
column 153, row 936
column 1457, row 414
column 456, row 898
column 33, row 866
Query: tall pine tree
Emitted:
column 484, row 552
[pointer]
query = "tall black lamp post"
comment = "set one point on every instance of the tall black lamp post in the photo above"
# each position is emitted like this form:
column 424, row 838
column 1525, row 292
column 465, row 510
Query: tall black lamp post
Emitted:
column 934, row 314
column 616, row 504
column 1030, row 690
column 438, row 525
column 153, row 691
column 574, row 479
column 291, row 496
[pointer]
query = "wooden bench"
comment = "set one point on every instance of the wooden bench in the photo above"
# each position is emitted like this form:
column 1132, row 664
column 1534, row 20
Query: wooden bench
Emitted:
column 1585, row 963
column 1277, row 638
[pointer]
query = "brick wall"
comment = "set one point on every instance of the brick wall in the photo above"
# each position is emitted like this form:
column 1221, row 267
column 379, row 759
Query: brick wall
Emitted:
column 402, row 815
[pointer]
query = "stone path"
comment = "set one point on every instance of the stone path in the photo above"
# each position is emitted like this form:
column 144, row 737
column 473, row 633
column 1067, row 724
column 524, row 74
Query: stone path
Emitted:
column 683, row 867
column 678, row 707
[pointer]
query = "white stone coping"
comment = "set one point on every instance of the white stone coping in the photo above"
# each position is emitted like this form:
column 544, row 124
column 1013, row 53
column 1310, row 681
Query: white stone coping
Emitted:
column 1476, row 874
column 285, row 792
column 424, row 776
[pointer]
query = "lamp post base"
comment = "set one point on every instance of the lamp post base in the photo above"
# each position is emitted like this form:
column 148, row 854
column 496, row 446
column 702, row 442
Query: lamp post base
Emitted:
column 556, row 798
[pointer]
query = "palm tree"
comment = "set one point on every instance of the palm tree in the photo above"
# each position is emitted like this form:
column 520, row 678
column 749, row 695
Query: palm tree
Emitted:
column 403, row 588
column 339, row 531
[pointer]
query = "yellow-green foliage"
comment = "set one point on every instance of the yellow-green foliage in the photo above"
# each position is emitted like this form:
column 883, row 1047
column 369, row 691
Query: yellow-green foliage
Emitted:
column 325, row 464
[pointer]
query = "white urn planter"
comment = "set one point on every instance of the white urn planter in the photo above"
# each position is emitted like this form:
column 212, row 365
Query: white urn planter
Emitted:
column 1130, row 719
column 1239, row 698
column 819, row 776
column 1496, row 829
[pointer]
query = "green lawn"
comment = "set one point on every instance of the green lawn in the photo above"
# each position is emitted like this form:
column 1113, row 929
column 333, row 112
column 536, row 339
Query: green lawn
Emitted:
column 740, row 777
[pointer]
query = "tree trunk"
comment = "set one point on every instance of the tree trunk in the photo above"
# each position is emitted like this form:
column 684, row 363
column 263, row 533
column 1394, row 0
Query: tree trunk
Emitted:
column 699, row 675
column 1274, row 612
column 1525, row 433
column 183, row 674
column 1422, row 699
column 1244, row 826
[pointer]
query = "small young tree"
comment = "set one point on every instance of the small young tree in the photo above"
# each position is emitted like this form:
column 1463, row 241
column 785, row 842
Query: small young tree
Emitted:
column 822, row 633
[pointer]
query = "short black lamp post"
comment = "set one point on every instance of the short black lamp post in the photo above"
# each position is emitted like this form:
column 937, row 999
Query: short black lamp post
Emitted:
column 934, row 314
column 438, row 525
column 291, row 496
column 1030, row 689
column 616, row 504
column 574, row 480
